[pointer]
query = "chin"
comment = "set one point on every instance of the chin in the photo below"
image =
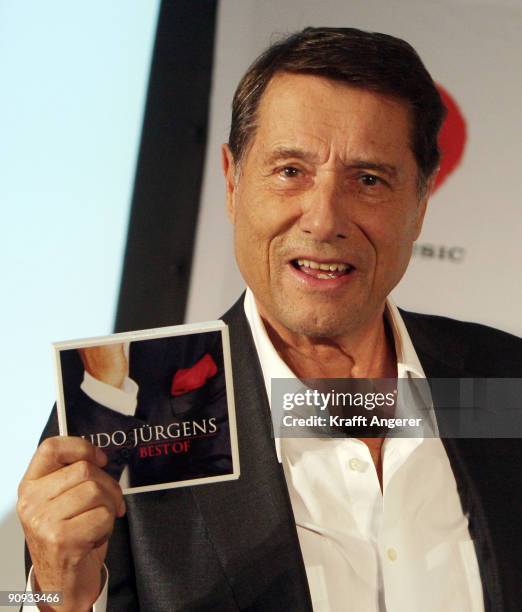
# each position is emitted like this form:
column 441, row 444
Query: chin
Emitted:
column 317, row 324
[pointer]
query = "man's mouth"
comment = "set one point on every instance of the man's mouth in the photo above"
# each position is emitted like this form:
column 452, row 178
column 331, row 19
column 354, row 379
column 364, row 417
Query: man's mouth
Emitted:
column 323, row 270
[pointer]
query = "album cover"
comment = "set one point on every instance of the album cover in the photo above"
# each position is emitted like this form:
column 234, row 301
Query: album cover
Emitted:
column 158, row 402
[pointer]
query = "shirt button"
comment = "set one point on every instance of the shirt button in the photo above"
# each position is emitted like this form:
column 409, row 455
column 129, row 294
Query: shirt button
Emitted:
column 392, row 554
column 356, row 465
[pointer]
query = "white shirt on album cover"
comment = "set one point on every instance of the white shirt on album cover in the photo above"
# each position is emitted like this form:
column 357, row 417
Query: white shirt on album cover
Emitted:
column 403, row 549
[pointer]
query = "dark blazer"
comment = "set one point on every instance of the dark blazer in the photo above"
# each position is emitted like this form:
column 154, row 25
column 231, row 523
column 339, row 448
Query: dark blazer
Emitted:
column 233, row 546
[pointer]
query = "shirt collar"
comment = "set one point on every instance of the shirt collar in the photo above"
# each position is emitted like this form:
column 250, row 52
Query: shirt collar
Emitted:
column 272, row 366
column 407, row 360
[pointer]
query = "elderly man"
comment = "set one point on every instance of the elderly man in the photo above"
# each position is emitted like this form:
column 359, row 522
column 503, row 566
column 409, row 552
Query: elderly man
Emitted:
column 331, row 158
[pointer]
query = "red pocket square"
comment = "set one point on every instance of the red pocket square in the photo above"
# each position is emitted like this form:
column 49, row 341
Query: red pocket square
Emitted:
column 188, row 379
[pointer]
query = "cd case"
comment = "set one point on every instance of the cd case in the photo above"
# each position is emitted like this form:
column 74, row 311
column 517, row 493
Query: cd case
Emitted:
column 158, row 402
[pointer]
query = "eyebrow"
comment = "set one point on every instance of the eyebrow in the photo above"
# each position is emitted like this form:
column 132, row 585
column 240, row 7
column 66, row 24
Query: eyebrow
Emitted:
column 364, row 164
column 287, row 152
column 281, row 153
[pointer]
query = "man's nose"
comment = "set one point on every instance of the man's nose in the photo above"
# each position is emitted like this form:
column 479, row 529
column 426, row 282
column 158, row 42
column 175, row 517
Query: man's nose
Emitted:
column 324, row 213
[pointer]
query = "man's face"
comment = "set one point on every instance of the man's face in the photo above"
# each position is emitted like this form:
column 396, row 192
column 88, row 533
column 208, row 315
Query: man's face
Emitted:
column 325, row 205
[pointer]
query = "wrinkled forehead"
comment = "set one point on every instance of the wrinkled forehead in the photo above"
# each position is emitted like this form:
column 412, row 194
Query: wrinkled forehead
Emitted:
column 303, row 111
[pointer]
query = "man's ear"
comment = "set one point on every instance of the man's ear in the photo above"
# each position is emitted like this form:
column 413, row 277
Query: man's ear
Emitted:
column 229, row 172
column 423, row 203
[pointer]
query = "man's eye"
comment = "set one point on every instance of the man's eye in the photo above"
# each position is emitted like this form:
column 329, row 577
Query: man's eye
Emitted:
column 289, row 172
column 370, row 180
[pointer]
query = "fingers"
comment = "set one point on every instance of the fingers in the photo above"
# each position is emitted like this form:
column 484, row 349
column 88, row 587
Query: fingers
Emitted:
column 67, row 505
column 64, row 480
column 84, row 497
column 55, row 453
column 68, row 478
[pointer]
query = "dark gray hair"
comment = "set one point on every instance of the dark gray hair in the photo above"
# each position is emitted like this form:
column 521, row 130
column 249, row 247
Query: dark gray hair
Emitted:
column 368, row 60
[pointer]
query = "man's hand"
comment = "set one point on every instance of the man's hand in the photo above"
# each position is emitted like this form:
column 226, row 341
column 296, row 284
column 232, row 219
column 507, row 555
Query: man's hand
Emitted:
column 106, row 363
column 67, row 505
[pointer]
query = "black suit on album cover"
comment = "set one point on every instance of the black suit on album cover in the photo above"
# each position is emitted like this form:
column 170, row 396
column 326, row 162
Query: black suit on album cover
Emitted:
column 152, row 365
column 233, row 545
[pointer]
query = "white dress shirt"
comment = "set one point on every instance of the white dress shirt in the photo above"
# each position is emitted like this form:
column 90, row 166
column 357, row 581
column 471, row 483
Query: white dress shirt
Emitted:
column 405, row 549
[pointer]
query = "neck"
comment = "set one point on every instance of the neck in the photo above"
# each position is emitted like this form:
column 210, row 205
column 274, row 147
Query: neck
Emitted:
column 367, row 352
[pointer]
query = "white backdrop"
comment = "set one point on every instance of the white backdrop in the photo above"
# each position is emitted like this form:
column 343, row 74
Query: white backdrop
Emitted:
column 472, row 48
column 74, row 77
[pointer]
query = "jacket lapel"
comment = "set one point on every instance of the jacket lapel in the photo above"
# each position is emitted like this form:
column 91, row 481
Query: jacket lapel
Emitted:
column 440, row 360
column 250, row 521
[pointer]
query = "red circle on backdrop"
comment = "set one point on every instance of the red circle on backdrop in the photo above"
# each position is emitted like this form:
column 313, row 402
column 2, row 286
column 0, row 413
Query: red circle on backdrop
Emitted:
column 452, row 137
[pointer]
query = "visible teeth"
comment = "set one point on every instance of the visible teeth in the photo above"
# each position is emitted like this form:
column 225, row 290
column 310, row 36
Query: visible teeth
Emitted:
column 314, row 265
column 324, row 276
